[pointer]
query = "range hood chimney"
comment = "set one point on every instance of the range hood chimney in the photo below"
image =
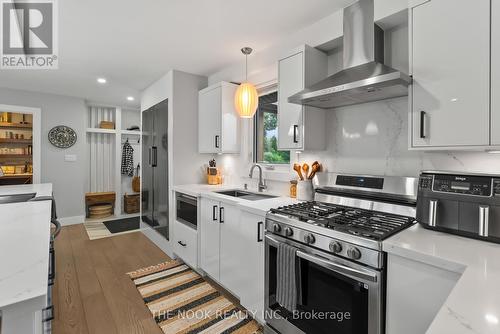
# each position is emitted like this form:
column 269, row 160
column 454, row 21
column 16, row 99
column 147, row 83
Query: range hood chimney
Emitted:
column 364, row 78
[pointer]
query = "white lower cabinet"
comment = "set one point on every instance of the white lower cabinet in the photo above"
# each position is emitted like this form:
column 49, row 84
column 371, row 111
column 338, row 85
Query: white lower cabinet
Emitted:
column 252, row 263
column 186, row 244
column 232, row 251
column 415, row 293
column 210, row 237
column 220, row 256
column 230, row 248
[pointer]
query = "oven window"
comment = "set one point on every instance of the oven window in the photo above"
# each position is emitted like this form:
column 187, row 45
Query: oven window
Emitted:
column 187, row 213
column 330, row 302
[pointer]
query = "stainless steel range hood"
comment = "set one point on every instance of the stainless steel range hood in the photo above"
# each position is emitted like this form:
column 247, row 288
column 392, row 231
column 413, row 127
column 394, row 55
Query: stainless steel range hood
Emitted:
column 365, row 78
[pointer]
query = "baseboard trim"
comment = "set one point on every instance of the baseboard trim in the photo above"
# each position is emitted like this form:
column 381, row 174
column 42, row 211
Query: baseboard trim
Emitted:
column 65, row 221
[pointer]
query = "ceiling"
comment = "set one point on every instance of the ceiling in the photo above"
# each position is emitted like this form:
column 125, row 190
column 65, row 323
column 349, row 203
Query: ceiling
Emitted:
column 132, row 43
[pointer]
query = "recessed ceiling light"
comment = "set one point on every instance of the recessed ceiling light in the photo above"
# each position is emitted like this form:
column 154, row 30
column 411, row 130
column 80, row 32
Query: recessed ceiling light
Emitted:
column 130, row 98
column 101, row 80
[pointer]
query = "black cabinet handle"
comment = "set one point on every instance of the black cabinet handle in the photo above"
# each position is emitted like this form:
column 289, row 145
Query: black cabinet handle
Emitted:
column 217, row 141
column 214, row 213
column 182, row 243
column 221, row 215
column 155, row 156
column 52, row 266
column 422, row 124
column 259, row 235
column 50, row 310
column 295, row 130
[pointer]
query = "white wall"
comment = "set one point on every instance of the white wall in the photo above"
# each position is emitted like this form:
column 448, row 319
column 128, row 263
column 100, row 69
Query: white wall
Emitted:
column 68, row 178
column 188, row 164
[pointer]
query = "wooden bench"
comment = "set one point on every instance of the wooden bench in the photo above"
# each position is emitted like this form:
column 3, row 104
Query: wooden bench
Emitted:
column 98, row 198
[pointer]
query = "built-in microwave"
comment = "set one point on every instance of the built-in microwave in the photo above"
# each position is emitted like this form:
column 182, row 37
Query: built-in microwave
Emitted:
column 187, row 210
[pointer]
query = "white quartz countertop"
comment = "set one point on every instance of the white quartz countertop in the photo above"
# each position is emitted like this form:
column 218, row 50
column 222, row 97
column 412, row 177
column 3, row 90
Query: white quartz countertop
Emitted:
column 24, row 252
column 41, row 189
column 259, row 207
column 473, row 305
column 197, row 189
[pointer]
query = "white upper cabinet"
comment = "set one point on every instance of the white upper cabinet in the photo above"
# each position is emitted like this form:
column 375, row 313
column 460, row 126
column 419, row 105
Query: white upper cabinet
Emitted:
column 495, row 73
column 218, row 120
column 300, row 127
column 449, row 61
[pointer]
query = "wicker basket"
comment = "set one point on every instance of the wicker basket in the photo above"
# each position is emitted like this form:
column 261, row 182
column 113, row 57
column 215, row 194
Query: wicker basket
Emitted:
column 131, row 203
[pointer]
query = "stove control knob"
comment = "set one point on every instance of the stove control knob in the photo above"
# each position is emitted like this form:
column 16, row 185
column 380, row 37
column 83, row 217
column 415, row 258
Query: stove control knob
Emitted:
column 336, row 247
column 288, row 232
column 354, row 253
column 309, row 239
column 276, row 228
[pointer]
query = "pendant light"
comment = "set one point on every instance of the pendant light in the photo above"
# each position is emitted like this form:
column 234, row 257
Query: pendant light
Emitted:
column 246, row 98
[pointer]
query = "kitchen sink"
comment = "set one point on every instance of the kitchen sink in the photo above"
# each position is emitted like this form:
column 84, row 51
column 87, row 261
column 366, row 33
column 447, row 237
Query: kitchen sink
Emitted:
column 249, row 196
column 16, row 198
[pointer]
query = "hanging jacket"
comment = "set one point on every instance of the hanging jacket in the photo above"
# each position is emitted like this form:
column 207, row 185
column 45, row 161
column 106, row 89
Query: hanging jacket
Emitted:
column 127, row 159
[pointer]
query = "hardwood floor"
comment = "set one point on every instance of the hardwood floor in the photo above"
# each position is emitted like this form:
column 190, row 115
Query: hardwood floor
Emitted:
column 92, row 294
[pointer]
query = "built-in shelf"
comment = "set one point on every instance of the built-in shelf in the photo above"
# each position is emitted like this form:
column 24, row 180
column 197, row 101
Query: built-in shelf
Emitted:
column 15, row 141
column 131, row 132
column 15, row 125
column 15, row 156
column 98, row 130
column 15, row 176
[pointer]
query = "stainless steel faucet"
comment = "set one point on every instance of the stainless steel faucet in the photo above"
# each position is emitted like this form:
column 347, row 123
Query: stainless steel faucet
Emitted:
column 262, row 182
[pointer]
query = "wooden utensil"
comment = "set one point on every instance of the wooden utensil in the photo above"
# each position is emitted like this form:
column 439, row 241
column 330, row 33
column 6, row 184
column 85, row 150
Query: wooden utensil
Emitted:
column 314, row 169
column 305, row 168
column 297, row 168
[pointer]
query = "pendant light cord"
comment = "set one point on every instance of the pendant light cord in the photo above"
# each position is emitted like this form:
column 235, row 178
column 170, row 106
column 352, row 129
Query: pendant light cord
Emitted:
column 246, row 68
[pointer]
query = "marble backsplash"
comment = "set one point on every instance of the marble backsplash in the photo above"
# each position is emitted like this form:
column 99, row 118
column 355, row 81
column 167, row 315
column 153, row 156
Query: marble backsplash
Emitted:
column 369, row 138
column 372, row 138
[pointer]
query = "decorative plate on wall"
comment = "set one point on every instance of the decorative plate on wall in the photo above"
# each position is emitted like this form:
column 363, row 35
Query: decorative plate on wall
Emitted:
column 62, row 136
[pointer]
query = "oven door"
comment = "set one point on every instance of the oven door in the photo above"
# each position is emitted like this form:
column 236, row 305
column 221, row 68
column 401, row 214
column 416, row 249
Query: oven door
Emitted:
column 337, row 295
column 187, row 210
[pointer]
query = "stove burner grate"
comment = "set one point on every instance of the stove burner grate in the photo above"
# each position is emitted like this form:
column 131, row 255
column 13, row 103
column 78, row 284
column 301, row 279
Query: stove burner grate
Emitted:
column 361, row 222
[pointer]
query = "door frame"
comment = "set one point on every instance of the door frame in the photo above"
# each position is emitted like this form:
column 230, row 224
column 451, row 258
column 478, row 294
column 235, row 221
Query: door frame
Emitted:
column 37, row 135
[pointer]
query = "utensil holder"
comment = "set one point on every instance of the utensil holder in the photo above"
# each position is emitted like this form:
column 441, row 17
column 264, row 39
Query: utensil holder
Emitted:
column 305, row 190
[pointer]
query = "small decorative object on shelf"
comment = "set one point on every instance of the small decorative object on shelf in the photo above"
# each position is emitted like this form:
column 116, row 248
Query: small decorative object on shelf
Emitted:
column 106, row 125
column 62, row 136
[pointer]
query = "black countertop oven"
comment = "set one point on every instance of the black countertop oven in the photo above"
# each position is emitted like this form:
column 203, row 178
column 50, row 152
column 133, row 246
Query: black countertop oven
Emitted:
column 463, row 204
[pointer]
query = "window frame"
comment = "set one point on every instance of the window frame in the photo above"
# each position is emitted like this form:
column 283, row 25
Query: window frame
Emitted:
column 265, row 90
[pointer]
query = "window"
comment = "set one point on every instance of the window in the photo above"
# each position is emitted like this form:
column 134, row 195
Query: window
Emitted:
column 266, row 132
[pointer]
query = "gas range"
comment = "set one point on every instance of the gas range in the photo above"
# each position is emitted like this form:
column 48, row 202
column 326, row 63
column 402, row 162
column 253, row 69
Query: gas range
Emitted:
column 355, row 221
column 350, row 216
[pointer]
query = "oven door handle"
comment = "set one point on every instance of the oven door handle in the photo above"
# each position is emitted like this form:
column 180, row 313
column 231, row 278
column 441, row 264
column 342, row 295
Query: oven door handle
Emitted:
column 362, row 274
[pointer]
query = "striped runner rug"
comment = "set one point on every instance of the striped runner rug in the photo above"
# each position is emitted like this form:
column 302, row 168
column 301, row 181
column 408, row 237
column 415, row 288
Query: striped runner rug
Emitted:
column 182, row 302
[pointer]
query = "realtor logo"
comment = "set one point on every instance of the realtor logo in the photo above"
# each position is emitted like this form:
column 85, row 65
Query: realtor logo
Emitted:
column 29, row 34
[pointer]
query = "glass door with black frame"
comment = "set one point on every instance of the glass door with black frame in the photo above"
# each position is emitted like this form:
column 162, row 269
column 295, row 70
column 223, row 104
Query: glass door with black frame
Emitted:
column 147, row 170
column 160, row 167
